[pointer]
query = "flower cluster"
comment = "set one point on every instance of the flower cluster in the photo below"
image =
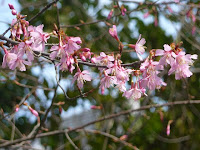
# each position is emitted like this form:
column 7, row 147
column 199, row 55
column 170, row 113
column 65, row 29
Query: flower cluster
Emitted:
column 69, row 52
column 30, row 39
column 178, row 60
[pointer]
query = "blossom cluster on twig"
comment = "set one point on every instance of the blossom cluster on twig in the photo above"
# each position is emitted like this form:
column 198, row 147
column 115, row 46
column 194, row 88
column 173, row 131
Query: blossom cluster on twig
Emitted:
column 32, row 39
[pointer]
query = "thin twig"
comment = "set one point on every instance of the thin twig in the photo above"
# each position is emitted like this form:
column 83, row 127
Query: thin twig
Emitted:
column 43, row 10
column 114, row 138
column 175, row 140
column 46, row 113
column 70, row 140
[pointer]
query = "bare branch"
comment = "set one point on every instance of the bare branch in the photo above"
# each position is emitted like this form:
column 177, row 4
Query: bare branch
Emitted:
column 114, row 138
column 70, row 140
column 186, row 102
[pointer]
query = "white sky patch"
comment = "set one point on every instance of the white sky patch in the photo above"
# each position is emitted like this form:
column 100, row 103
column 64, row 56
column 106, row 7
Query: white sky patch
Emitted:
column 169, row 27
column 83, row 105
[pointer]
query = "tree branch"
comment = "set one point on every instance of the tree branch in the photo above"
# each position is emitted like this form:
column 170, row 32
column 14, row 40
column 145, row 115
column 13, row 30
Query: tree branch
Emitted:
column 186, row 102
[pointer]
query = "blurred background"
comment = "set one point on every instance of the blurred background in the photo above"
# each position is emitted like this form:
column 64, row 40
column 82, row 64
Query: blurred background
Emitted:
column 146, row 129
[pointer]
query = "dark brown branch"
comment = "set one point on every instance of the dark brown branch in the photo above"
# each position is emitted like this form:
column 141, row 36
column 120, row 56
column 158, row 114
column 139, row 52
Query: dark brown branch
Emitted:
column 186, row 102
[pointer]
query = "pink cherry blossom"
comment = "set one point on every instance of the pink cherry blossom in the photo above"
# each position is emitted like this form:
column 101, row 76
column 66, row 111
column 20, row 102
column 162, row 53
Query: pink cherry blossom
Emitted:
column 120, row 72
column 167, row 55
column 66, row 63
column 81, row 77
column 107, row 81
column 139, row 47
column 7, row 58
column 181, row 65
column 104, row 59
column 39, row 37
column 113, row 32
column 134, row 93
column 72, row 44
column 25, row 48
column 150, row 70
column 86, row 54
column 19, row 62
column 16, row 31
column 121, row 86
column 57, row 51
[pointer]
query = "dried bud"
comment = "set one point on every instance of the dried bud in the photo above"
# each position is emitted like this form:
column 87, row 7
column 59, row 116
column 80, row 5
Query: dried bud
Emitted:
column 123, row 137
column 60, row 109
column 161, row 115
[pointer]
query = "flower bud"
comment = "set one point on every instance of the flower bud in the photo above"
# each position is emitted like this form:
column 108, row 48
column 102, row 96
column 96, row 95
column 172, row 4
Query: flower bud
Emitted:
column 110, row 14
column 85, row 49
column 193, row 30
column 96, row 107
column 146, row 14
column 93, row 59
column 11, row 6
column 14, row 12
column 82, row 57
column 34, row 112
column 168, row 127
column 17, row 108
column 123, row 10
